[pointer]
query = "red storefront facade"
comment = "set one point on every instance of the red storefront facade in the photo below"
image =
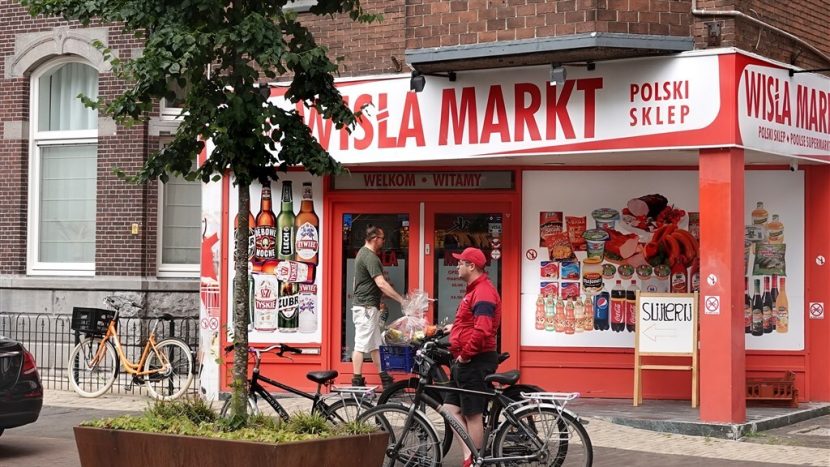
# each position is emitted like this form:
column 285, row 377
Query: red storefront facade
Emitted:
column 483, row 156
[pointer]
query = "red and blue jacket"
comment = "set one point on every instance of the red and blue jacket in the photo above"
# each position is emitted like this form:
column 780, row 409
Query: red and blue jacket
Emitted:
column 477, row 320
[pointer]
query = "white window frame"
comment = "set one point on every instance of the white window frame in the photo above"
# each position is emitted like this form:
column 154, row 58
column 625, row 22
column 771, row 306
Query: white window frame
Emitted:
column 34, row 266
column 170, row 113
column 300, row 5
column 170, row 269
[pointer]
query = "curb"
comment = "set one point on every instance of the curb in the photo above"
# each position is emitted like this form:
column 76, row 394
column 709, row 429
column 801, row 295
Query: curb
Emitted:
column 734, row 431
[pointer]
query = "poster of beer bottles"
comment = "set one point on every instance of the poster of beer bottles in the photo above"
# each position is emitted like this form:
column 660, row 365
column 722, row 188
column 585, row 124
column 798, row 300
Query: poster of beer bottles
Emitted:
column 284, row 255
column 587, row 254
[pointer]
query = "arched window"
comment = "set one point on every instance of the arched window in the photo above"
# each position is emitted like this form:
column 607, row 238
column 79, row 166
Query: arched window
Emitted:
column 63, row 169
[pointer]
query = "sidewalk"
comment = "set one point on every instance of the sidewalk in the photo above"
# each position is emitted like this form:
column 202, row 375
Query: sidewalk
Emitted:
column 602, row 416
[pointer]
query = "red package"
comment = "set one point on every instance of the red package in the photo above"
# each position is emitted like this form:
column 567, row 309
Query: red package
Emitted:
column 575, row 227
column 568, row 290
column 559, row 247
column 549, row 288
column 550, row 223
column 550, row 270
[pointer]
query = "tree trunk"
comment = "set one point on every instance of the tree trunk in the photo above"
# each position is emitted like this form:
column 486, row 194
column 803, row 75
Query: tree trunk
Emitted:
column 241, row 303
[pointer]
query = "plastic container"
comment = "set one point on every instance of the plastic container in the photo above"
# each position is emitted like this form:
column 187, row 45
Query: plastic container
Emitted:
column 397, row 358
column 92, row 321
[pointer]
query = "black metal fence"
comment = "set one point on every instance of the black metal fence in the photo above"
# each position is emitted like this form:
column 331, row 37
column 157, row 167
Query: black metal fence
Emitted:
column 51, row 340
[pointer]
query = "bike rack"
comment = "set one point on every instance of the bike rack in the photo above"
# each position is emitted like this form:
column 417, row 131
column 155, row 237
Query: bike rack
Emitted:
column 359, row 394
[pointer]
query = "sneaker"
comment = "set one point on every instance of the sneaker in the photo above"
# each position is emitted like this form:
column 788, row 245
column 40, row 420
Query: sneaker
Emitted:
column 357, row 380
column 385, row 379
column 468, row 462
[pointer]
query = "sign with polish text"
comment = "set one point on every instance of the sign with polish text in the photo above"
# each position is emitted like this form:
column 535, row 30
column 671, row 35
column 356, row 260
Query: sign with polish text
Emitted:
column 666, row 323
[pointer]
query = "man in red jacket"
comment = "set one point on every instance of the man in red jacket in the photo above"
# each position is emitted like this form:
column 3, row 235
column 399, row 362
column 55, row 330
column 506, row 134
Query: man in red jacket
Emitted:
column 473, row 344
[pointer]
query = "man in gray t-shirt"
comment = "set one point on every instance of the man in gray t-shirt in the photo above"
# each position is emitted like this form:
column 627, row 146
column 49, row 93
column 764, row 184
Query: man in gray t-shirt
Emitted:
column 369, row 287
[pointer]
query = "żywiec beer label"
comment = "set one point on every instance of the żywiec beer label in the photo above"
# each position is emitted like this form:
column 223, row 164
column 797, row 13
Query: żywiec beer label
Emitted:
column 265, row 239
column 308, row 308
column 307, row 242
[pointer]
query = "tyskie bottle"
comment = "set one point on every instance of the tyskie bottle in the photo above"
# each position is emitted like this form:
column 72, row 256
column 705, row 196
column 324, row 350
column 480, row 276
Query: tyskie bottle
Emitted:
column 757, row 327
column 630, row 305
column 618, row 307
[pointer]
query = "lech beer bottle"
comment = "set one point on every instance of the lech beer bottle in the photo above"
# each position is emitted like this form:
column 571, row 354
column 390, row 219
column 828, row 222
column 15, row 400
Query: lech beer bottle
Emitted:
column 285, row 224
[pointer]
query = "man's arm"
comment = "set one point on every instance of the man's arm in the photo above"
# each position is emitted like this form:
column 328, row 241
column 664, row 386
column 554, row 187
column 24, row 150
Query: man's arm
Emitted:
column 387, row 289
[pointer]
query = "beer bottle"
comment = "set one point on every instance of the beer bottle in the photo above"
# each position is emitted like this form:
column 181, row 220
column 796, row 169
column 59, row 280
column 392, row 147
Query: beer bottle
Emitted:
column 251, row 231
column 307, row 233
column 747, row 307
column 265, row 231
column 757, row 327
column 285, row 224
column 288, row 318
column 766, row 308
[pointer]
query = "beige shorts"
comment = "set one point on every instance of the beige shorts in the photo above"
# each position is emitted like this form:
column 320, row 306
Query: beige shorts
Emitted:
column 367, row 332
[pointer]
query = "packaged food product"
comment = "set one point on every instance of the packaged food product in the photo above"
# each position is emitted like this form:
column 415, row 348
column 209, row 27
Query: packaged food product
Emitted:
column 549, row 288
column 576, row 226
column 608, row 271
column 559, row 247
column 550, row 222
column 595, row 242
column 549, row 270
column 568, row 290
column 605, row 218
column 569, row 271
column 754, row 233
column 694, row 225
column 592, row 275
column 770, row 259
column 644, row 271
column 626, row 271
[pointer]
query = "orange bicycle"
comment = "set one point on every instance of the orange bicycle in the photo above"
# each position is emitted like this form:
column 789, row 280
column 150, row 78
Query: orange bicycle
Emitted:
column 165, row 367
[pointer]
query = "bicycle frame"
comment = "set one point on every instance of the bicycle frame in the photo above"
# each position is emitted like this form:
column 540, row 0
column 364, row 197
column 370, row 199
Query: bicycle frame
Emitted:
column 258, row 389
column 129, row 366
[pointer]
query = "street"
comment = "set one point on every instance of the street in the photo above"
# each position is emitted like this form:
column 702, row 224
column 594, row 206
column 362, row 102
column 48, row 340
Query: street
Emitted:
column 50, row 442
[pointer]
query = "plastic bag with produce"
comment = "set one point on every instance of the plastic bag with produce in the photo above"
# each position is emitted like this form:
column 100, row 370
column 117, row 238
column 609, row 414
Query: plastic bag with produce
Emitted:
column 412, row 325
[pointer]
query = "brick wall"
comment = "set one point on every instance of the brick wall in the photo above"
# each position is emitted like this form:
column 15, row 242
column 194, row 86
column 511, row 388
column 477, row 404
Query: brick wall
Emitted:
column 438, row 23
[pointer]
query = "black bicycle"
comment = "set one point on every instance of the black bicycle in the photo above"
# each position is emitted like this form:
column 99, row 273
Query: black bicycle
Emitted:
column 403, row 391
column 344, row 405
column 536, row 430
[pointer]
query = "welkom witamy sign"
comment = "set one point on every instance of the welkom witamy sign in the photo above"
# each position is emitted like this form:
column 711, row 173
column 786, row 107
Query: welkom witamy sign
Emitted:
column 666, row 326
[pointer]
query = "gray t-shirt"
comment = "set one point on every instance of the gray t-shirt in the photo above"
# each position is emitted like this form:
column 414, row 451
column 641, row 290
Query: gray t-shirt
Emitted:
column 367, row 266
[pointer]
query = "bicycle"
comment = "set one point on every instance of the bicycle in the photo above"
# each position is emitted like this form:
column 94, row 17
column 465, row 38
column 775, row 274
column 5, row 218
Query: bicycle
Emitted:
column 165, row 367
column 351, row 400
column 403, row 391
column 537, row 430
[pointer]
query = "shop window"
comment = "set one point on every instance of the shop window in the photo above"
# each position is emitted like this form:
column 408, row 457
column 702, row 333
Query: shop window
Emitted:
column 179, row 232
column 62, row 170
column 300, row 5
column 171, row 108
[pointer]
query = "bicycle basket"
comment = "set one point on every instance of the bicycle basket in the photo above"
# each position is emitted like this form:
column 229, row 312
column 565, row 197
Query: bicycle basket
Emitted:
column 397, row 358
column 92, row 321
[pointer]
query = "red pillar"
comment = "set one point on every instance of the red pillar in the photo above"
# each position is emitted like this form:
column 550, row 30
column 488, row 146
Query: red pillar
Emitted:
column 817, row 278
column 722, row 350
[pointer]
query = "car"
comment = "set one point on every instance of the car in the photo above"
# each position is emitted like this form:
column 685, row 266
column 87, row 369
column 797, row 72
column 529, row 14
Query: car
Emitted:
column 21, row 391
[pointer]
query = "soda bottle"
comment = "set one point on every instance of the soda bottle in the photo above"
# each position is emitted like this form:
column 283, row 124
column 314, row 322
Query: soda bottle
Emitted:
column 782, row 308
column 601, row 306
column 631, row 305
column 560, row 316
column 570, row 320
column 579, row 315
column 550, row 316
column 774, row 292
column 588, row 322
column 679, row 283
column 540, row 312
column 618, row 307
column 747, row 307
column 757, row 327
column 766, row 310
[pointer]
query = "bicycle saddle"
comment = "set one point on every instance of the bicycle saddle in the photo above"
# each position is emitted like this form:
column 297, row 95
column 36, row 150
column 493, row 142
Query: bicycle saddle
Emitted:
column 508, row 378
column 322, row 377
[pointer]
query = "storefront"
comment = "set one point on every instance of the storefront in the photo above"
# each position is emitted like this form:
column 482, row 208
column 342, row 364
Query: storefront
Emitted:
column 691, row 163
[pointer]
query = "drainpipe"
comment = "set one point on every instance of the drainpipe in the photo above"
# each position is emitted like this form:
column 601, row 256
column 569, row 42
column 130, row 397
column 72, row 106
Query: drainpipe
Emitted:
column 758, row 22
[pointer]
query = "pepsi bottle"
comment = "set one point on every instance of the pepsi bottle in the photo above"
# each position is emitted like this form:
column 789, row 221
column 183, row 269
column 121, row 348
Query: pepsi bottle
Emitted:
column 601, row 304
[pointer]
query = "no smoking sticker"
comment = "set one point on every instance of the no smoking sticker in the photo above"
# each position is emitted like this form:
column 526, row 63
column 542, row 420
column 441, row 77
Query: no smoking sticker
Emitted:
column 531, row 254
column 711, row 305
column 816, row 310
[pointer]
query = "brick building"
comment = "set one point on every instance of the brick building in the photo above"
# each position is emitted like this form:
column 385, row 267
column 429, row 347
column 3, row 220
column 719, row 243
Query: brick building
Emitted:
column 144, row 240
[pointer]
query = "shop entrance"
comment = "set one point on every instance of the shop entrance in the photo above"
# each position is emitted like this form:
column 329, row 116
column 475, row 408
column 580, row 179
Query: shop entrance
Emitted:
column 417, row 254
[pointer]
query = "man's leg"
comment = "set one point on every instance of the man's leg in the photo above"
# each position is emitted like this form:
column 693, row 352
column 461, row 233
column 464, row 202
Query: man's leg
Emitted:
column 357, row 362
column 475, row 427
column 456, row 412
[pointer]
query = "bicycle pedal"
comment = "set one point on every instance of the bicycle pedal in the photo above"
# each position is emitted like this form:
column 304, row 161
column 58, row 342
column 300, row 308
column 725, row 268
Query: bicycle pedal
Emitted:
column 137, row 380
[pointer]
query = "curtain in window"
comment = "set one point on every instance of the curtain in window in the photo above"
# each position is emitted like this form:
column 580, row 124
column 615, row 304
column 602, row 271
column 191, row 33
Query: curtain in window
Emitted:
column 59, row 108
column 67, row 203
column 181, row 222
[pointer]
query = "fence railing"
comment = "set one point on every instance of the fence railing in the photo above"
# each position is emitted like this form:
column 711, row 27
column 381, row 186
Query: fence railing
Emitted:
column 51, row 340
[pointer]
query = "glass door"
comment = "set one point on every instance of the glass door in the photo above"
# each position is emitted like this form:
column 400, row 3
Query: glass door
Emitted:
column 450, row 228
column 398, row 256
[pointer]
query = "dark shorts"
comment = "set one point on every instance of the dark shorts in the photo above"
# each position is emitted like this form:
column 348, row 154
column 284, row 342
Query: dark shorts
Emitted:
column 471, row 376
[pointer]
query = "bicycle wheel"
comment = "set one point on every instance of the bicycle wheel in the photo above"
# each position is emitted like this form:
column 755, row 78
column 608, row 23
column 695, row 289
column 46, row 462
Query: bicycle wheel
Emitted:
column 251, row 407
column 90, row 379
column 418, row 441
column 403, row 393
column 566, row 440
column 345, row 410
column 172, row 365
column 513, row 393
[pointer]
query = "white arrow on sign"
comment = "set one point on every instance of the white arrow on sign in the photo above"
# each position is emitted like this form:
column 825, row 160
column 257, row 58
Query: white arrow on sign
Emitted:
column 654, row 332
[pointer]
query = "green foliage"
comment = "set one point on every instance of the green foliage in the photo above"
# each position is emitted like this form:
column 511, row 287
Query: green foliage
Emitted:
column 197, row 418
